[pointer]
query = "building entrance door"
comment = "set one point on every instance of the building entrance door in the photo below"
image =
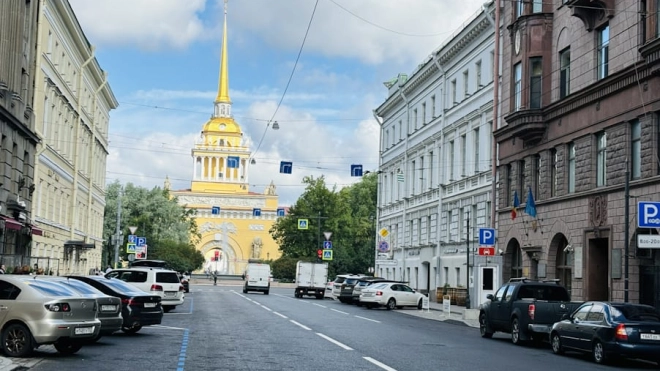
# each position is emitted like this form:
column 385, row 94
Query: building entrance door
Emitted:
column 598, row 269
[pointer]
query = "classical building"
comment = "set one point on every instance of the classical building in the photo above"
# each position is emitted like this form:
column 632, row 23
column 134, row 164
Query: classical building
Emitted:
column 581, row 110
column 233, row 221
column 18, row 140
column 72, row 104
column 435, row 164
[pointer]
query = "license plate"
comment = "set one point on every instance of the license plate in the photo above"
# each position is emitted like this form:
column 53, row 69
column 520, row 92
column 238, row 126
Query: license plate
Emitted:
column 170, row 294
column 649, row 336
column 108, row 308
column 149, row 305
column 84, row 330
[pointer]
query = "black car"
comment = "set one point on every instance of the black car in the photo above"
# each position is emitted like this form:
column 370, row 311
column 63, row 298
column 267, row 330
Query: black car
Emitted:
column 607, row 330
column 138, row 307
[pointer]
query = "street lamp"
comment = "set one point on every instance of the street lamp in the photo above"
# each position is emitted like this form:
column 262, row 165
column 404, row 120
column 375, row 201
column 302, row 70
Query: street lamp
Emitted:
column 276, row 126
column 467, row 265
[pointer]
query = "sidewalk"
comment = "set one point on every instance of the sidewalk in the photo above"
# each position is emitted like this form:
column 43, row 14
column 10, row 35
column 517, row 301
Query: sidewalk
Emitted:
column 457, row 314
column 11, row 364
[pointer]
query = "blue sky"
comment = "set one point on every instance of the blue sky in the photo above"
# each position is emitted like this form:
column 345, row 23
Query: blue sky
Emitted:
column 165, row 54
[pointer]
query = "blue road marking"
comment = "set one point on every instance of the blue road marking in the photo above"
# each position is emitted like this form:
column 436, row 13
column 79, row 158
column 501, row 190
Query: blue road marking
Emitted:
column 184, row 348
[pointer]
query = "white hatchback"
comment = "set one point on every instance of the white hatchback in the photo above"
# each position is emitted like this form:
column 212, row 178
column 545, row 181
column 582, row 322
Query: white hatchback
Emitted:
column 392, row 295
column 158, row 281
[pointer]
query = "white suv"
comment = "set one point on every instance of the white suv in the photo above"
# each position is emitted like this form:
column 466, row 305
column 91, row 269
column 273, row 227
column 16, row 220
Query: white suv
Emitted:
column 158, row 281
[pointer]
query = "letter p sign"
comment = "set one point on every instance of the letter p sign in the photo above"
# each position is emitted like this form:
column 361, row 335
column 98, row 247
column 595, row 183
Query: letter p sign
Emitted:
column 648, row 214
column 487, row 236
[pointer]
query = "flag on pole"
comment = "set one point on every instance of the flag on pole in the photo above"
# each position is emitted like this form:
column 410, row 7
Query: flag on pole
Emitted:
column 530, row 207
column 516, row 204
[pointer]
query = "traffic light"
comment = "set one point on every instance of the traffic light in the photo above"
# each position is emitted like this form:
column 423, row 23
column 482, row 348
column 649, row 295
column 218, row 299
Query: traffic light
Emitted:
column 319, row 252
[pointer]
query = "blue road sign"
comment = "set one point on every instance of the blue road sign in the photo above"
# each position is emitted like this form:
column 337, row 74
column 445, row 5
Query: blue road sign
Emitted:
column 648, row 214
column 232, row 162
column 303, row 224
column 327, row 244
column 256, row 212
column 383, row 246
column 327, row 254
column 285, row 167
column 132, row 238
column 487, row 236
column 141, row 241
column 280, row 212
column 356, row 170
column 130, row 248
column 215, row 210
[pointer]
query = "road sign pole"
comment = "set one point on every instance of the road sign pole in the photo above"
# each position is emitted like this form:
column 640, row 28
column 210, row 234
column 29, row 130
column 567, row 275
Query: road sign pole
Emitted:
column 626, row 232
column 118, row 229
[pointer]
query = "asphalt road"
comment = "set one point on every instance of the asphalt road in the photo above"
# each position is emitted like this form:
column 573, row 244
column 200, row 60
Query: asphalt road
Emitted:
column 220, row 328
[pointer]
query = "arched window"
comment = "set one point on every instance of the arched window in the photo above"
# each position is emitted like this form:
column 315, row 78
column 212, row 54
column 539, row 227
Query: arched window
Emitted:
column 516, row 260
column 564, row 264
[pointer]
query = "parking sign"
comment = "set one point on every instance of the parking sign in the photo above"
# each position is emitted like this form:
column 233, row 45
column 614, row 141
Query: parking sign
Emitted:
column 648, row 214
column 487, row 236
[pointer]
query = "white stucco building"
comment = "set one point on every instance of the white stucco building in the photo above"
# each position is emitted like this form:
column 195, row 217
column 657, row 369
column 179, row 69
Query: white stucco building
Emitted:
column 72, row 104
column 436, row 161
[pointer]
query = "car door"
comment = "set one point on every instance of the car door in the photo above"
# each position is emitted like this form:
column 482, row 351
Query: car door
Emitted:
column 8, row 295
column 495, row 304
column 570, row 332
column 395, row 292
column 408, row 295
column 589, row 328
column 502, row 313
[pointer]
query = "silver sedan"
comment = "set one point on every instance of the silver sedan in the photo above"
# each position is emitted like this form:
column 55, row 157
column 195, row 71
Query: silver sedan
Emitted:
column 35, row 312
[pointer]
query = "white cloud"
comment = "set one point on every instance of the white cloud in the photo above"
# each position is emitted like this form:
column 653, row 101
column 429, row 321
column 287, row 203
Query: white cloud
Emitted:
column 148, row 24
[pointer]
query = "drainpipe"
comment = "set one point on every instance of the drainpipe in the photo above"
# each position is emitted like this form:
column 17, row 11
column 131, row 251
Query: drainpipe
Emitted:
column 39, row 86
column 406, row 182
column 496, row 103
column 76, row 169
column 442, row 140
column 379, row 175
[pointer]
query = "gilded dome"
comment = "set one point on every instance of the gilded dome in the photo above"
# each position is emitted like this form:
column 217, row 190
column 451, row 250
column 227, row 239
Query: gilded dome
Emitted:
column 222, row 125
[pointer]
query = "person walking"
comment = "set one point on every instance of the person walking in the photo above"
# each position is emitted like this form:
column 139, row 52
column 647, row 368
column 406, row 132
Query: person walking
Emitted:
column 3, row 269
column 215, row 278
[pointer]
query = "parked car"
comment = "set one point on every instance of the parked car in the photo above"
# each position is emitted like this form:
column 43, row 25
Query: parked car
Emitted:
column 339, row 280
column 392, row 295
column 109, row 307
column 150, row 263
column 162, row 282
column 185, row 281
column 346, row 288
column 608, row 330
column 328, row 289
column 37, row 312
column 138, row 308
column 365, row 282
column 526, row 309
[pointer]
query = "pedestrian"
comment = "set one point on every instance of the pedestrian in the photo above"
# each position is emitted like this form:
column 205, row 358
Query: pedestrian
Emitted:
column 3, row 269
column 215, row 278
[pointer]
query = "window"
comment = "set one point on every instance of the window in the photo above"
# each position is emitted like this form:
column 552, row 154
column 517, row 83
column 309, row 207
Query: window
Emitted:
column 400, row 130
column 466, row 84
column 492, row 65
column 601, row 168
column 461, row 223
column 519, row 7
column 535, row 78
column 516, row 262
column 431, row 169
column 517, row 86
column 537, row 185
column 453, row 92
column 463, row 155
column 603, row 51
column 458, row 277
column 433, row 106
column 509, row 185
column 571, row 168
column 564, row 264
column 553, row 172
column 476, row 150
column 387, row 139
column 564, row 73
column 521, row 177
column 537, row 6
column 636, row 149
column 414, row 177
column 478, row 73
column 419, row 231
column 428, row 229
column 422, row 178
column 415, row 119
column 451, row 161
column 423, row 113
column 450, row 227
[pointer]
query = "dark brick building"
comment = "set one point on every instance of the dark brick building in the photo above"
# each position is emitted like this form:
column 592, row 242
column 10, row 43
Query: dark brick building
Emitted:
column 580, row 101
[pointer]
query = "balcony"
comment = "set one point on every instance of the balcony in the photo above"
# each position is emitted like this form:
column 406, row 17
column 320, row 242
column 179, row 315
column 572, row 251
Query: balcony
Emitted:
column 528, row 125
column 592, row 12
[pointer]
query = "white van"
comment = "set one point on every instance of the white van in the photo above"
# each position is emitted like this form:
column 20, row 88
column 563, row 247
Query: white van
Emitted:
column 257, row 278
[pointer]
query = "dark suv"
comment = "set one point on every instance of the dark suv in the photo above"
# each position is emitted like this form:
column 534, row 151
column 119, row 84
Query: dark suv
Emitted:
column 346, row 291
column 362, row 283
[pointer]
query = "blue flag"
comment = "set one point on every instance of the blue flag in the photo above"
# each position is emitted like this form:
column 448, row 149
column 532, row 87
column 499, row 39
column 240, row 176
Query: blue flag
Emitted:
column 530, row 208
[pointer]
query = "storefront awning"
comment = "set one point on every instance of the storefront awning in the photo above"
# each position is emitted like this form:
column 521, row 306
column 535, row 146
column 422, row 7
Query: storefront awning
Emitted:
column 79, row 244
column 9, row 223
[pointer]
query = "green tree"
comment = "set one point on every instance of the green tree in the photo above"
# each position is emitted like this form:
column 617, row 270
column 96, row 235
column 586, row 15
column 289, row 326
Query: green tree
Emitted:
column 181, row 257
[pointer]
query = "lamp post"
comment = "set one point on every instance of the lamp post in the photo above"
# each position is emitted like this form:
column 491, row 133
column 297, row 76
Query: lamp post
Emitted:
column 626, row 232
column 467, row 265
column 118, row 230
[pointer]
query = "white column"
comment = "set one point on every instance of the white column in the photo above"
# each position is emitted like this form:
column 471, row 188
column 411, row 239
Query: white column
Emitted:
column 195, row 167
column 223, row 162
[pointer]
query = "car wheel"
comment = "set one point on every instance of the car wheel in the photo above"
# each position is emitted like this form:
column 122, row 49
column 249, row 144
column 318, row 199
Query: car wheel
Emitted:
column 483, row 327
column 244, row 290
column 391, row 304
column 266, row 292
column 67, row 347
column 168, row 308
column 419, row 304
column 555, row 341
column 131, row 330
column 17, row 340
column 515, row 331
column 598, row 353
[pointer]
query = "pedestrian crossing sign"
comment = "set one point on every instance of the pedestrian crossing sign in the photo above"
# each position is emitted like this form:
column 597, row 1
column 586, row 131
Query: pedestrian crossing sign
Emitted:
column 327, row 254
column 130, row 248
column 303, row 224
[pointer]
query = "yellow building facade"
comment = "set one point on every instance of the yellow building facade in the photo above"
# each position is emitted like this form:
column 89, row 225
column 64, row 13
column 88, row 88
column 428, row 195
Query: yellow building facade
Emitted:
column 233, row 221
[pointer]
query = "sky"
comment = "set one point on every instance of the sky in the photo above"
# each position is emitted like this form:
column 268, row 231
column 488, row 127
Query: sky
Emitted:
column 162, row 59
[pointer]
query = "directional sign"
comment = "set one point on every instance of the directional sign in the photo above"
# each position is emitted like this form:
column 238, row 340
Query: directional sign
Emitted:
column 486, row 251
column 383, row 246
column 256, row 211
column 356, row 170
column 281, row 212
column 130, row 248
column 327, row 254
column 285, row 167
column 303, row 224
column 215, row 210
column 327, row 245
column 232, row 162
column 487, row 236
column 132, row 238
column 141, row 241
column 648, row 214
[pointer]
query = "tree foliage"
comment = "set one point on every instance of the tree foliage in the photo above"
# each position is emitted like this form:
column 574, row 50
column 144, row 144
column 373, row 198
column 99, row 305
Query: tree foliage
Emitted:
column 349, row 214
column 167, row 226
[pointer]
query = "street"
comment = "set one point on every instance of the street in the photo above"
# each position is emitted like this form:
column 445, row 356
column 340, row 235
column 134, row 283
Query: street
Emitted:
column 220, row 328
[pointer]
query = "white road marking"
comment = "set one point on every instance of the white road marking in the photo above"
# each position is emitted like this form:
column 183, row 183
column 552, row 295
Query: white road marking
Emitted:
column 338, row 311
column 165, row 327
column 379, row 364
column 281, row 315
column 301, row 325
column 367, row 319
column 319, row 305
column 266, row 308
column 334, row 341
column 256, row 302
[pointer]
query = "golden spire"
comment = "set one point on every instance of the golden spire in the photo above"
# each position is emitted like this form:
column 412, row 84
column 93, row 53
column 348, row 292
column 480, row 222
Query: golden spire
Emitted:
column 223, row 83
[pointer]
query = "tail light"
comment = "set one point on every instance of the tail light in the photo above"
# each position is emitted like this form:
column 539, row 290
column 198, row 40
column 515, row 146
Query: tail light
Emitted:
column 531, row 310
column 379, row 293
column 58, row 307
column 128, row 301
column 620, row 332
column 181, row 288
column 156, row 288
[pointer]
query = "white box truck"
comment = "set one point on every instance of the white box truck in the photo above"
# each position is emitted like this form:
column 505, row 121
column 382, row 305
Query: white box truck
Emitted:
column 257, row 278
column 311, row 279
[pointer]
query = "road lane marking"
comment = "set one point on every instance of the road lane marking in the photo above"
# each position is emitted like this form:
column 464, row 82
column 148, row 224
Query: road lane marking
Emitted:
column 367, row 319
column 166, row 327
column 182, row 353
column 266, row 308
column 338, row 311
column 319, row 305
column 379, row 364
column 280, row 314
column 334, row 341
column 300, row 324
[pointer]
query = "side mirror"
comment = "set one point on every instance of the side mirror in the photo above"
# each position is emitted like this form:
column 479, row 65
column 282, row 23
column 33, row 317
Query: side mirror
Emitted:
column 490, row 297
column 565, row 316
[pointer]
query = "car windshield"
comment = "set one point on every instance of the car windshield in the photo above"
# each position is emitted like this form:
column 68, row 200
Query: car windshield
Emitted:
column 635, row 313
